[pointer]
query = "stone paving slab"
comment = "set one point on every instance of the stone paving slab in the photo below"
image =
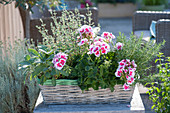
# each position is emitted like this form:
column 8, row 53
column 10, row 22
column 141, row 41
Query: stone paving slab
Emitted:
column 116, row 25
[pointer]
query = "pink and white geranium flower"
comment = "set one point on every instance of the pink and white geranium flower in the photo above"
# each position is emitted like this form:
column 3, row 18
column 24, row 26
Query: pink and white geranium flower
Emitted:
column 59, row 60
column 127, row 69
column 99, row 48
column 83, row 41
column 130, row 80
column 118, row 73
column 98, row 38
column 86, row 31
column 108, row 36
column 119, row 46
column 126, row 87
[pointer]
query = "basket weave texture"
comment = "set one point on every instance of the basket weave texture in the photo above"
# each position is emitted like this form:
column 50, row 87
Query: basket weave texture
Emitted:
column 70, row 93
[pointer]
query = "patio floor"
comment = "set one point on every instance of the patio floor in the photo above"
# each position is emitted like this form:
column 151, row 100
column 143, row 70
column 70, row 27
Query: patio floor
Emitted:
column 116, row 25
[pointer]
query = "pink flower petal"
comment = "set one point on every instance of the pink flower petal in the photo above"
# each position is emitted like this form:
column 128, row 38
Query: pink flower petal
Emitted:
column 58, row 66
column 126, row 87
column 62, row 61
column 97, row 53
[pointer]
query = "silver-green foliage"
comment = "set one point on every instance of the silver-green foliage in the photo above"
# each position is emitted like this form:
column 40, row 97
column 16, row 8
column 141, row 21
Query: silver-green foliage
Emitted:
column 64, row 30
column 17, row 94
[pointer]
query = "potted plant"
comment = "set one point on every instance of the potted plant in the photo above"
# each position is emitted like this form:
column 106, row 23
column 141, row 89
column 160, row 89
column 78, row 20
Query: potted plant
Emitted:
column 154, row 5
column 86, row 2
column 76, row 57
column 116, row 8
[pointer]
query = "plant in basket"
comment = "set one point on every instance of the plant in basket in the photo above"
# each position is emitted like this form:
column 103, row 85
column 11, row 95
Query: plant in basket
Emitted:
column 75, row 50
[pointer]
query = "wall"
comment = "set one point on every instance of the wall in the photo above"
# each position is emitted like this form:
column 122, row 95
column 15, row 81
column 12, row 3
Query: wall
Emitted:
column 107, row 10
column 10, row 23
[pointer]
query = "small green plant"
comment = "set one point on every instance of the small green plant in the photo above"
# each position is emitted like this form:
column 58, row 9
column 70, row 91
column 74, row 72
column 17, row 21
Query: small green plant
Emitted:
column 159, row 92
column 17, row 93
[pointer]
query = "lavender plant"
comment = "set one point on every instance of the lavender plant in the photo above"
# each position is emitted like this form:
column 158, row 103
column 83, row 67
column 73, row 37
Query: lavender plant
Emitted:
column 18, row 94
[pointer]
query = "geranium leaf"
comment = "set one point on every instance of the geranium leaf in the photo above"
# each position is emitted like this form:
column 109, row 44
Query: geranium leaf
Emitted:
column 38, row 69
column 27, row 57
column 53, row 72
column 48, row 74
column 53, row 81
column 33, row 52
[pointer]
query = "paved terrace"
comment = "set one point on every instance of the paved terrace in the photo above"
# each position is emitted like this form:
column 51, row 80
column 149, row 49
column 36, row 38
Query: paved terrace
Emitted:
column 116, row 25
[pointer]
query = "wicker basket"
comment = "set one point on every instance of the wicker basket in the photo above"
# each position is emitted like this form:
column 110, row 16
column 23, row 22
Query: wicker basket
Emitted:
column 67, row 92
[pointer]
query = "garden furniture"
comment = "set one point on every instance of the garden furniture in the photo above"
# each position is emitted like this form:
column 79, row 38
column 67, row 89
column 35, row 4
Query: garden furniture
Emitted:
column 142, row 21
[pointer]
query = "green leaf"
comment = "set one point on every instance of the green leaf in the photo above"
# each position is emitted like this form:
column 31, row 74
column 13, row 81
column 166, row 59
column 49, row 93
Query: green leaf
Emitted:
column 27, row 57
column 33, row 52
column 32, row 59
column 48, row 53
column 53, row 81
column 95, row 70
column 64, row 73
column 158, row 90
column 50, row 57
column 48, row 74
column 42, row 57
column 90, row 63
column 43, row 47
column 24, row 63
column 153, row 107
column 87, row 68
column 38, row 69
column 101, row 70
column 53, row 72
column 42, row 80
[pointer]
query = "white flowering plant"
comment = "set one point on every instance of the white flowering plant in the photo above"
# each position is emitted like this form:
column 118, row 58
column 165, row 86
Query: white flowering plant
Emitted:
column 77, row 51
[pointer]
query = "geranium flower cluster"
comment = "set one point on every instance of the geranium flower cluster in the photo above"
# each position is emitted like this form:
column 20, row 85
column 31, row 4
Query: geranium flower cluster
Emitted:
column 59, row 60
column 97, row 45
column 119, row 46
column 98, row 48
column 86, row 31
column 108, row 36
column 86, row 34
column 126, row 70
